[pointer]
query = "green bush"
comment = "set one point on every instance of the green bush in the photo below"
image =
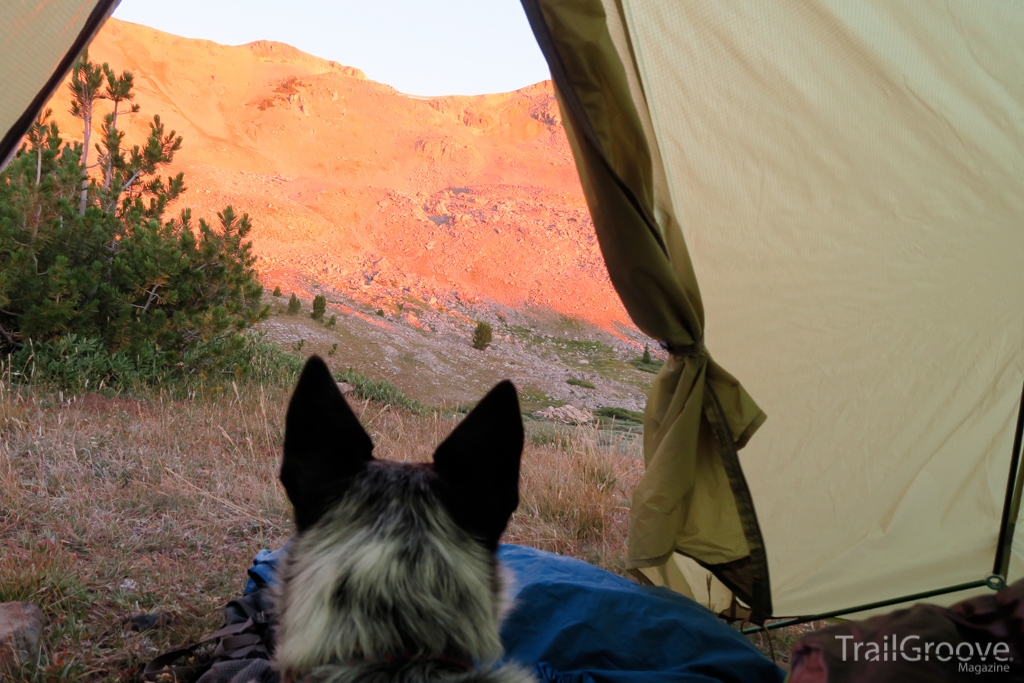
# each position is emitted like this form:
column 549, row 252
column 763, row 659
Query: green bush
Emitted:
column 294, row 304
column 381, row 391
column 482, row 336
column 647, row 364
column 575, row 381
column 277, row 290
column 91, row 253
column 653, row 367
column 85, row 364
column 332, row 321
column 622, row 414
column 319, row 307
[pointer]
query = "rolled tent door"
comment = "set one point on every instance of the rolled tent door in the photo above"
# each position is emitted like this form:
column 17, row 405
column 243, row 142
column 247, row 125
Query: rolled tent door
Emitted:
column 693, row 499
column 39, row 41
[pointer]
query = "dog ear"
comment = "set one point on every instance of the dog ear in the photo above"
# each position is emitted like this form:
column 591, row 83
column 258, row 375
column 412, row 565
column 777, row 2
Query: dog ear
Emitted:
column 324, row 444
column 478, row 465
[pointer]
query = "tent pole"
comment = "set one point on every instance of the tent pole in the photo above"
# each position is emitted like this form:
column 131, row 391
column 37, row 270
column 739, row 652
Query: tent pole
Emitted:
column 1011, row 505
column 873, row 605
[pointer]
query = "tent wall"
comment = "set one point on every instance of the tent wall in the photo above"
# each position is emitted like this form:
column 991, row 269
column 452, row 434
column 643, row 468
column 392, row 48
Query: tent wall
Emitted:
column 39, row 41
column 849, row 179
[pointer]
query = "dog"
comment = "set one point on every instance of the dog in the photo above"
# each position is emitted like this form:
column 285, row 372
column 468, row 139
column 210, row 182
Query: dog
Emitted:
column 392, row 575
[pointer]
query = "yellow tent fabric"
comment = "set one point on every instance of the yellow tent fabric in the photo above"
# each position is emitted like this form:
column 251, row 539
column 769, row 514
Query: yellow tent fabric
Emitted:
column 849, row 179
column 38, row 42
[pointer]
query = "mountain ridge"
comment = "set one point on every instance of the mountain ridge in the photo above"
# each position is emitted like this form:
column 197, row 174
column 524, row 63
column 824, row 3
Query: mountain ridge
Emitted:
column 416, row 217
column 475, row 195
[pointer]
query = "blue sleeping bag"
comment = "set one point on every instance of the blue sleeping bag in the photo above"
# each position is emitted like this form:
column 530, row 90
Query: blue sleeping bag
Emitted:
column 573, row 622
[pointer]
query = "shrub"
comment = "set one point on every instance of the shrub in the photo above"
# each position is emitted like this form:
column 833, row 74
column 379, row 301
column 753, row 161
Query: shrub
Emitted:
column 332, row 321
column 294, row 304
column 482, row 336
column 623, row 414
column 645, row 363
column 577, row 382
column 319, row 307
column 277, row 290
column 381, row 391
column 93, row 254
column 85, row 364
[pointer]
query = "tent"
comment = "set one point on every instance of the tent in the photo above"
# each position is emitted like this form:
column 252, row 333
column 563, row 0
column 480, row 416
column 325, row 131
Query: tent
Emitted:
column 817, row 206
column 845, row 181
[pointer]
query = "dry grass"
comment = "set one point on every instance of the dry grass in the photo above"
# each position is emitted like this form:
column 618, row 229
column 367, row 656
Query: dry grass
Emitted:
column 777, row 644
column 112, row 507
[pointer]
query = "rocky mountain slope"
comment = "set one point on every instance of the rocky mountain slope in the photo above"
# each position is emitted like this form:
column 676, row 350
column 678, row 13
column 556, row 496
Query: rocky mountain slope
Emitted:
column 416, row 217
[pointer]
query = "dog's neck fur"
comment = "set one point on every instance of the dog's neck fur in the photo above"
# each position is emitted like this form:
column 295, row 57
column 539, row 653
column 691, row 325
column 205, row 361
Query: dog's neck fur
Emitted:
column 386, row 587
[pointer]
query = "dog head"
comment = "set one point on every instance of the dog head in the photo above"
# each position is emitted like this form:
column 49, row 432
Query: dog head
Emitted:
column 393, row 561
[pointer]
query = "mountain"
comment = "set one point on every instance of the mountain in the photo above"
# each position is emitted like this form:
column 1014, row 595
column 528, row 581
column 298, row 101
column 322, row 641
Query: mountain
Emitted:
column 355, row 186
column 415, row 216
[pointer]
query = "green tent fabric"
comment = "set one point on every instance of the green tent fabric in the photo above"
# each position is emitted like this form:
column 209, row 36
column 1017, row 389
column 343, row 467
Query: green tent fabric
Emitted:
column 693, row 498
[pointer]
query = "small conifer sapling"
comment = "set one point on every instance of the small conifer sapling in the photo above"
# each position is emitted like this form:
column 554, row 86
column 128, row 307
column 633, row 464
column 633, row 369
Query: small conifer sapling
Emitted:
column 319, row 307
column 294, row 304
column 482, row 336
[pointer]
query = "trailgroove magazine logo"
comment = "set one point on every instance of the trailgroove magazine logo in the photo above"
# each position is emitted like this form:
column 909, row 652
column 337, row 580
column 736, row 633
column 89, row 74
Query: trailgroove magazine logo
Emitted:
column 975, row 658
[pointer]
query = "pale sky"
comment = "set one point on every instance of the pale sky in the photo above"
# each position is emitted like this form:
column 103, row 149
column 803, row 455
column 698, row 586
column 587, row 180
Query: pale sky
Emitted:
column 420, row 47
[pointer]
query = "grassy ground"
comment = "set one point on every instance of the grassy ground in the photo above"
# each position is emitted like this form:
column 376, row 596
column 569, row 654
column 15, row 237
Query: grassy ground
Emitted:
column 111, row 507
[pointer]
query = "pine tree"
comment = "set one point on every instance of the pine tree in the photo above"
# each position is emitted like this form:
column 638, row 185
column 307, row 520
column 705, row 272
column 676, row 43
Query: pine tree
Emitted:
column 647, row 354
column 294, row 304
column 277, row 290
column 319, row 307
column 119, row 89
column 482, row 336
column 111, row 269
column 86, row 81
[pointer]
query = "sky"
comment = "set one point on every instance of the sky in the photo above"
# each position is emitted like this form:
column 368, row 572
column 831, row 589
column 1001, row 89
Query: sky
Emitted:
column 420, row 47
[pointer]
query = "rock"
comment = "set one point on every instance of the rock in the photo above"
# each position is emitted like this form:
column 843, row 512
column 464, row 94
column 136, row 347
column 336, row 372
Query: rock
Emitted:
column 20, row 626
column 345, row 388
column 566, row 414
column 144, row 622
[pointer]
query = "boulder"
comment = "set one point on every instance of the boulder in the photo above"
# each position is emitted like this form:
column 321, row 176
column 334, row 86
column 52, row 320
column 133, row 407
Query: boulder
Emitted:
column 21, row 624
column 566, row 414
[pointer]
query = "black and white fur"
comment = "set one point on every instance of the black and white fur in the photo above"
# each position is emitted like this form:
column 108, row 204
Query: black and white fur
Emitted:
column 392, row 575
